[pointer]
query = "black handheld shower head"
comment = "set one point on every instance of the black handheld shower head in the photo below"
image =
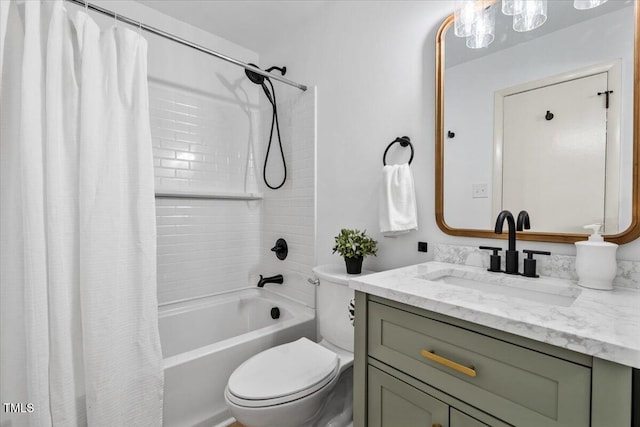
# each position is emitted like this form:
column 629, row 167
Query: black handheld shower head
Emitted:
column 253, row 76
column 267, row 92
column 258, row 78
column 261, row 80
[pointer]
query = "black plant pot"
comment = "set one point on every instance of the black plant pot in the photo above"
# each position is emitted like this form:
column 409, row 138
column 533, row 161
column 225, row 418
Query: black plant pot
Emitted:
column 354, row 265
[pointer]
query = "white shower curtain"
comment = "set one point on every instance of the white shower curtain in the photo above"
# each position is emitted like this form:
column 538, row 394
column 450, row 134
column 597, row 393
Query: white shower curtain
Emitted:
column 79, row 324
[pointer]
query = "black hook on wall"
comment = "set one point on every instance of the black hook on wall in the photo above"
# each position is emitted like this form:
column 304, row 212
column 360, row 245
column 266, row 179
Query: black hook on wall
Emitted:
column 549, row 115
column 451, row 134
column 606, row 93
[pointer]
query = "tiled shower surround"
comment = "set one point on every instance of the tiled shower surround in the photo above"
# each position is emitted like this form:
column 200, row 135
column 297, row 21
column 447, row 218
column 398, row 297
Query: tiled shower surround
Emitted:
column 205, row 246
column 206, row 144
column 289, row 211
column 202, row 142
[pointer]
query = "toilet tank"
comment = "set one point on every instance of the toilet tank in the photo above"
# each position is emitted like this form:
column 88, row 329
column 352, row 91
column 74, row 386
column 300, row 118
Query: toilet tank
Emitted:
column 332, row 305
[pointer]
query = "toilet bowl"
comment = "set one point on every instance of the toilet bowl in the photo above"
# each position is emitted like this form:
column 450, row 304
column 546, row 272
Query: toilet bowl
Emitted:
column 287, row 385
column 291, row 385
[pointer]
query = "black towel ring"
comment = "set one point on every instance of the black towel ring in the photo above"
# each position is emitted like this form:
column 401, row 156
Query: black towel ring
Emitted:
column 404, row 141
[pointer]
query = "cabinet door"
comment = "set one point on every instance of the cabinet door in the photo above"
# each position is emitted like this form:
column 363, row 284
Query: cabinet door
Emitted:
column 393, row 403
column 460, row 419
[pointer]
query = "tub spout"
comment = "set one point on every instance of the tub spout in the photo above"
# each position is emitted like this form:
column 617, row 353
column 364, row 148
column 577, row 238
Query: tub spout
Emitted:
column 273, row 279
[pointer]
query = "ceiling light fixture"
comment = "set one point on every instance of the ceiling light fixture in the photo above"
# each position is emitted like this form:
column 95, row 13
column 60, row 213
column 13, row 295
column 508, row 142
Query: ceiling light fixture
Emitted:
column 512, row 7
column 587, row 4
column 465, row 16
column 532, row 15
column 475, row 19
column 484, row 28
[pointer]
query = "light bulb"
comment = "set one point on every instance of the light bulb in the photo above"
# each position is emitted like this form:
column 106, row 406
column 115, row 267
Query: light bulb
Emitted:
column 483, row 32
column 533, row 15
column 587, row 4
column 512, row 7
column 465, row 14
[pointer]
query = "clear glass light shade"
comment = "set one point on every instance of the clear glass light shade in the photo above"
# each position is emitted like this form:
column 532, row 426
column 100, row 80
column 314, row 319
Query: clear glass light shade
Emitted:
column 483, row 32
column 478, row 41
column 587, row 4
column 465, row 14
column 512, row 7
column 533, row 15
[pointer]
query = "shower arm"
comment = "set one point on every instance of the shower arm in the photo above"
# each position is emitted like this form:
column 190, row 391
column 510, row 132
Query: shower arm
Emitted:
column 282, row 70
column 184, row 42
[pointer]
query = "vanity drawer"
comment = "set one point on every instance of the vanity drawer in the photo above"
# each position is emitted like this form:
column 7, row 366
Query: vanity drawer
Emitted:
column 521, row 386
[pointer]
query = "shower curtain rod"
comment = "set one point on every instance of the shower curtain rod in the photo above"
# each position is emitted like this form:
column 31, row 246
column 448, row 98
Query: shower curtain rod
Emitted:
column 186, row 43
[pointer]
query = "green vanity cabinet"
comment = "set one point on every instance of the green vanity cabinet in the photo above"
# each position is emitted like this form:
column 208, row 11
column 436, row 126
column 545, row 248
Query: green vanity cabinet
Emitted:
column 414, row 367
column 395, row 403
column 460, row 419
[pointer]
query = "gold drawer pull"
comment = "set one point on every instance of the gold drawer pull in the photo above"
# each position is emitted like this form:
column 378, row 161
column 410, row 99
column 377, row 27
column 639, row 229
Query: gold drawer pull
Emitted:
column 437, row 425
column 467, row 370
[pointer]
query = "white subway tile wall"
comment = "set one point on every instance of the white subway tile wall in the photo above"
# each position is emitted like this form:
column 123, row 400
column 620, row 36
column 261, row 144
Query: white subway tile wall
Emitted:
column 203, row 143
column 206, row 246
column 289, row 212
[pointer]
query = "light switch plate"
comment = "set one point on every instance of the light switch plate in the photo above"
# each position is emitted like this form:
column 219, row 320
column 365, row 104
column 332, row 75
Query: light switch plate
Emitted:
column 479, row 191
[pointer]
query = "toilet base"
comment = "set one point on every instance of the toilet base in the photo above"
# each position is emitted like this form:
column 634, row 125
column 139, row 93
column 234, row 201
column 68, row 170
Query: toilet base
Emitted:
column 338, row 411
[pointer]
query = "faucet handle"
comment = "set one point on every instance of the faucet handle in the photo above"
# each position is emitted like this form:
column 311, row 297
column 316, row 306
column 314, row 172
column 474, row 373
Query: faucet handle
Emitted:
column 494, row 258
column 530, row 253
column 281, row 249
column 530, row 262
column 491, row 248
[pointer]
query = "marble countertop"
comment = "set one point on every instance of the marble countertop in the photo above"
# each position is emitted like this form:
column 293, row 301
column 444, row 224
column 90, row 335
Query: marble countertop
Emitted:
column 603, row 324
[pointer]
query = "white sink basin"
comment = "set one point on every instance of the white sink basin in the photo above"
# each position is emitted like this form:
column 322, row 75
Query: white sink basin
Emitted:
column 538, row 290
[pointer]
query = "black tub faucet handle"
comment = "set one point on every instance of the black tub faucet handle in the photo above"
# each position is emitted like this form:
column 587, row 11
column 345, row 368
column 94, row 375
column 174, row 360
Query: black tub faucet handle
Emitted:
column 281, row 249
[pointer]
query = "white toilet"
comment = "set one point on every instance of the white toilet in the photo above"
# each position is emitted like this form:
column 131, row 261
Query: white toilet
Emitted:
column 300, row 383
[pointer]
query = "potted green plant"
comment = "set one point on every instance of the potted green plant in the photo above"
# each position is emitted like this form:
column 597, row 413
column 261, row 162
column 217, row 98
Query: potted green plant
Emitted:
column 354, row 245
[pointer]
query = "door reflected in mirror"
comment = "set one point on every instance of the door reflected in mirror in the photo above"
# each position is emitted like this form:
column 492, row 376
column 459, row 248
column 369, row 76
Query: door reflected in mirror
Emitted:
column 541, row 121
column 558, row 140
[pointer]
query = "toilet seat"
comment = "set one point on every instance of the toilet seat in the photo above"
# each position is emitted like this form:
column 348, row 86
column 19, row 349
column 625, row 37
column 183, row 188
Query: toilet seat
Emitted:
column 282, row 374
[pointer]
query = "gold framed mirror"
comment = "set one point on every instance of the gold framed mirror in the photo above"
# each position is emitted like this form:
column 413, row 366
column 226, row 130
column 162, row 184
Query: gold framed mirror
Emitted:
column 474, row 175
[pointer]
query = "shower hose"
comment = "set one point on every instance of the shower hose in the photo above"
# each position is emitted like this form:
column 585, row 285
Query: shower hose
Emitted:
column 274, row 123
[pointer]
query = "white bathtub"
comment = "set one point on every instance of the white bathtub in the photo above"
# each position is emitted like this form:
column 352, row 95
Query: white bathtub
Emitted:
column 204, row 340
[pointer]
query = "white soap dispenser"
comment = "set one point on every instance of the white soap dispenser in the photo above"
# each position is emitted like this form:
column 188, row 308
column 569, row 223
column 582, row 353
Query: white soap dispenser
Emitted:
column 596, row 261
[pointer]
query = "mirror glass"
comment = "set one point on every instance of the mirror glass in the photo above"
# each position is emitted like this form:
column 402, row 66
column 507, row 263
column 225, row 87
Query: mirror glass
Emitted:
column 542, row 121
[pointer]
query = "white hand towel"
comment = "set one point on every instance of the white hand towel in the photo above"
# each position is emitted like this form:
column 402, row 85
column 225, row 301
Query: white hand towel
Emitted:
column 398, row 211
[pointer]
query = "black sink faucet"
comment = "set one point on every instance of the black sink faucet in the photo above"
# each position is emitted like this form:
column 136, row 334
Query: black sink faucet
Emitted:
column 523, row 222
column 273, row 279
column 511, row 266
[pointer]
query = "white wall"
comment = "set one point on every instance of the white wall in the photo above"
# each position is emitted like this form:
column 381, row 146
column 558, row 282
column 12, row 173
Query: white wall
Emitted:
column 374, row 68
column 469, row 106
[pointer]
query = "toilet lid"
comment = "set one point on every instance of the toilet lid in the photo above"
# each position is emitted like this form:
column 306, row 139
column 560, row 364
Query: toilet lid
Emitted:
column 284, row 370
